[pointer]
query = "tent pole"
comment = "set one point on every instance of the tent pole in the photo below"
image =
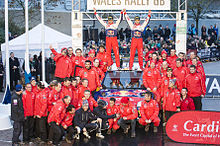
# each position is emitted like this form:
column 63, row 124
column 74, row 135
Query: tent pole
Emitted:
column 43, row 40
column 7, row 45
column 26, row 33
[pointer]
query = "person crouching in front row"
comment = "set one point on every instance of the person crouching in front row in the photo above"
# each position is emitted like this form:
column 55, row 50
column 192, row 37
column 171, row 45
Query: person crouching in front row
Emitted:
column 149, row 112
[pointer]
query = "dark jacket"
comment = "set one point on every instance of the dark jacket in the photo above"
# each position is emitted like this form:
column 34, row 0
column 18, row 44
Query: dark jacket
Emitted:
column 14, row 73
column 17, row 110
column 83, row 117
column 100, row 112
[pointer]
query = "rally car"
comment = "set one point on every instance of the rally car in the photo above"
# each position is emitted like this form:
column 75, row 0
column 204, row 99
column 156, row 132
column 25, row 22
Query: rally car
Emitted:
column 120, row 84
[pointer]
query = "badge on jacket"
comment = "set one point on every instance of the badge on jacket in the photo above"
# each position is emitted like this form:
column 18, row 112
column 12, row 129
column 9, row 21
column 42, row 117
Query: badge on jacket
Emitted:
column 15, row 102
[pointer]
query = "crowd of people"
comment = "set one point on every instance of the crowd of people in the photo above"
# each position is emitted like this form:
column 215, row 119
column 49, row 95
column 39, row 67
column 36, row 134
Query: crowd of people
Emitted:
column 67, row 106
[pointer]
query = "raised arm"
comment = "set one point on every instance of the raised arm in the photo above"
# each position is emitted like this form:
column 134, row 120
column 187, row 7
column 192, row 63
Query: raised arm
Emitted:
column 119, row 20
column 146, row 20
column 128, row 19
column 99, row 18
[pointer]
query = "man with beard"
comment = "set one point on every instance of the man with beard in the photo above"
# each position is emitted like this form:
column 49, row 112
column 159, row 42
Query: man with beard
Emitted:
column 91, row 75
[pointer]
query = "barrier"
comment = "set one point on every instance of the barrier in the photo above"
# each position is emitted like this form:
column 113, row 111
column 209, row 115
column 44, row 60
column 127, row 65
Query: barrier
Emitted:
column 210, row 54
column 212, row 86
column 194, row 127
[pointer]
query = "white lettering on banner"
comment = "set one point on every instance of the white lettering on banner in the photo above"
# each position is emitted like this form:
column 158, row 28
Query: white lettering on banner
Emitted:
column 214, row 127
column 215, row 85
column 128, row 4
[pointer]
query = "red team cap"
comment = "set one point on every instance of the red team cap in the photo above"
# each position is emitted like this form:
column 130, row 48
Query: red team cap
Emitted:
column 125, row 100
column 92, row 51
column 163, row 52
column 63, row 49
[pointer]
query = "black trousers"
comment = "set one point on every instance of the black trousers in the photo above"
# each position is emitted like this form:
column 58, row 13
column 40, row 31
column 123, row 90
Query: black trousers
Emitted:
column 197, row 102
column 13, row 83
column 43, row 128
column 168, row 114
column 57, row 132
column 124, row 124
column 69, row 132
column 1, row 83
column 16, row 131
column 36, row 128
column 90, row 127
column 28, row 129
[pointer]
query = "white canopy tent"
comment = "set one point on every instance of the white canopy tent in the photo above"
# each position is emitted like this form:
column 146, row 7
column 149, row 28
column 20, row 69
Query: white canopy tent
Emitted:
column 57, row 39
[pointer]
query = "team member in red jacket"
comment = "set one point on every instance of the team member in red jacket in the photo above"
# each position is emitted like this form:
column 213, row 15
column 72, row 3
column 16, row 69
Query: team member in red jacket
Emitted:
column 111, row 110
column 33, row 85
column 171, row 100
column 91, row 75
column 87, row 96
column 74, row 87
column 199, row 68
column 98, row 69
column 154, row 59
column 54, row 95
column 149, row 112
column 56, row 116
column 82, row 88
column 91, row 56
column 196, row 87
column 41, row 112
column 182, row 56
column 66, row 89
column 64, row 65
column 189, row 61
column 162, row 59
column 78, row 61
column 163, row 69
column 180, row 72
column 128, row 113
column 102, row 56
column 67, row 123
column 151, row 79
column 186, row 102
column 172, row 58
column 111, row 38
column 137, row 40
column 28, row 98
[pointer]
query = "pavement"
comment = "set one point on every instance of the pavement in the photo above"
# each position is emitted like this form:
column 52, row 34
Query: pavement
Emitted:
column 142, row 138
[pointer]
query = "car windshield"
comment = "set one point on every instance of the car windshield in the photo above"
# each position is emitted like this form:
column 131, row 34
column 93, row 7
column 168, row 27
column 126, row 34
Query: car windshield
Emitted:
column 123, row 80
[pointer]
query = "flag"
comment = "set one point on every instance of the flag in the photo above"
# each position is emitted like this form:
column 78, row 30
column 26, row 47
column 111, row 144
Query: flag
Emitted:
column 7, row 96
column 27, row 72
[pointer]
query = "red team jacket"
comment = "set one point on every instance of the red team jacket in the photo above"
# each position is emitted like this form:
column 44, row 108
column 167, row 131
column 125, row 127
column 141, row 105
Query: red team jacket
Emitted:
column 28, row 103
column 68, row 120
column 41, row 104
column 187, row 104
column 171, row 60
column 128, row 111
column 92, row 76
column 171, row 99
column 53, row 97
column 149, row 110
column 151, row 78
column 58, row 112
column 180, row 73
column 112, row 110
column 78, row 61
column 195, row 85
column 81, row 90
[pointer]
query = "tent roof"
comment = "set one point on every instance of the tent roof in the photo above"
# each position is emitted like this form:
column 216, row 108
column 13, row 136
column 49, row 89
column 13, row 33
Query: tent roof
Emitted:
column 51, row 37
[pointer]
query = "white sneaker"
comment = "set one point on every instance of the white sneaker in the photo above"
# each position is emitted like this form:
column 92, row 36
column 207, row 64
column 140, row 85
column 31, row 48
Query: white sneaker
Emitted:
column 99, row 135
column 76, row 136
column 86, row 135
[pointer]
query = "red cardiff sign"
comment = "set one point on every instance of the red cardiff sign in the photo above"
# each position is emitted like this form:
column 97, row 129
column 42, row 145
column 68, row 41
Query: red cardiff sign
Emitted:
column 194, row 127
